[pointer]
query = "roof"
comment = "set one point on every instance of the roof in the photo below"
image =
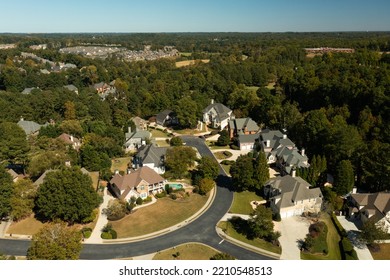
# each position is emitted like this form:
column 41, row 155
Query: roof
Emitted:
column 376, row 204
column 29, row 127
column 129, row 181
column 71, row 87
column 28, row 90
column 240, row 124
column 221, row 110
column 250, row 138
column 292, row 189
column 40, row 180
column 12, row 173
column 152, row 154
column 69, row 139
column 160, row 118
column 141, row 134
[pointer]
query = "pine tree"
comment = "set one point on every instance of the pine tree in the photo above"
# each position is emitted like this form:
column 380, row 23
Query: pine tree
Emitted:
column 260, row 171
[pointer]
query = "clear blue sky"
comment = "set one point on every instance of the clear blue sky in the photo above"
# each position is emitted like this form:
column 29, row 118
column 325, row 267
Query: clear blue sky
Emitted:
column 41, row 16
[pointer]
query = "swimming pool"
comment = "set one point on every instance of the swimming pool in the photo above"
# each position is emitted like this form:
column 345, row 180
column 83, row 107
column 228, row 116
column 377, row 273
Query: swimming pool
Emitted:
column 176, row 186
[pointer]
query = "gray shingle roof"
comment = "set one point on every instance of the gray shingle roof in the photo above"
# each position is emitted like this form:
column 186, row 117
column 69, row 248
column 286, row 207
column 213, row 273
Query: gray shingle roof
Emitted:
column 160, row 117
column 222, row 110
column 29, row 127
column 152, row 154
column 241, row 123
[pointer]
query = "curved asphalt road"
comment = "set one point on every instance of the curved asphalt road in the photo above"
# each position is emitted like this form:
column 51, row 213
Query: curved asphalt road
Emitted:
column 201, row 230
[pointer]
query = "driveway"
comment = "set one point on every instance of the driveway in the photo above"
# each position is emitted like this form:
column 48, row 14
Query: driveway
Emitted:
column 361, row 249
column 293, row 229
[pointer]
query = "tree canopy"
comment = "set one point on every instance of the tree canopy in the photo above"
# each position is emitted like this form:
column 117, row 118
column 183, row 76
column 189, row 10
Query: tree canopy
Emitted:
column 66, row 195
column 6, row 191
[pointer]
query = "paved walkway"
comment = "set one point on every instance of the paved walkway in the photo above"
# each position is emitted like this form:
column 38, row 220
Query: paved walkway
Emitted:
column 361, row 249
column 293, row 230
column 3, row 228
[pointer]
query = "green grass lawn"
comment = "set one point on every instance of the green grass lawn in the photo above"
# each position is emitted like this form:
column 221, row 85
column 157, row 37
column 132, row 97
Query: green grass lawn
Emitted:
column 162, row 143
column 253, row 88
column 259, row 243
column 226, row 168
column 120, row 164
column 188, row 251
column 158, row 133
column 383, row 253
column 241, row 202
column 185, row 54
column 223, row 155
column 332, row 240
column 163, row 214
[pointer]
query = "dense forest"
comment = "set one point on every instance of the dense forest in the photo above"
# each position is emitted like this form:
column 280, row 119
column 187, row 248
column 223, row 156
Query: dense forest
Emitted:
column 335, row 105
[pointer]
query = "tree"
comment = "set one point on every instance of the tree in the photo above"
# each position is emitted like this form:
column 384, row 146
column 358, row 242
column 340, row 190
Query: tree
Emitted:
column 222, row 256
column 13, row 143
column 66, row 195
column 260, row 171
column 72, row 127
column 55, row 242
column 6, row 190
column 70, row 110
column 208, row 167
column 344, row 178
column 94, row 160
column 261, row 224
column 116, row 209
column 223, row 138
column 372, row 232
column 206, row 185
column 179, row 159
column 22, row 200
column 187, row 112
column 45, row 160
column 242, row 173
column 176, row 141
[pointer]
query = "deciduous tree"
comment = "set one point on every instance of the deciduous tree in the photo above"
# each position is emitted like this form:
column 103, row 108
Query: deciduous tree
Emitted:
column 6, row 190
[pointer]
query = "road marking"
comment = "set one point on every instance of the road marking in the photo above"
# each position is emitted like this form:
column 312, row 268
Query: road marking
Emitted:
column 221, row 241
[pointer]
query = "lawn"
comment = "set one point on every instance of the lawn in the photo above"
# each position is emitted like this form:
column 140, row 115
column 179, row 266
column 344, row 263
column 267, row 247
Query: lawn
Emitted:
column 28, row 226
column 156, row 133
column 226, row 168
column 383, row 253
column 241, row 202
column 223, row 155
column 161, row 143
column 163, row 214
column 185, row 63
column 332, row 239
column 120, row 164
column 189, row 251
column 259, row 243
column 253, row 88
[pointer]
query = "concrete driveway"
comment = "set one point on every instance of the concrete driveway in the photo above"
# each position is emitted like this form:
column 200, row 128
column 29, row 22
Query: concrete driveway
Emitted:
column 361, row 249
column 293, row 229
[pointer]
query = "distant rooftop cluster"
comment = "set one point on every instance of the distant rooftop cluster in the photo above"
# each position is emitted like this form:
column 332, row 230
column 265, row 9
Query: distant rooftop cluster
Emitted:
column 7, row 46
column 323, row 50
column 104, row 52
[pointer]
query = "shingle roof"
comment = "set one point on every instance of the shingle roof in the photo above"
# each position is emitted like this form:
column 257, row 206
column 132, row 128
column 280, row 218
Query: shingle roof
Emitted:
column 292, row 189
column 152, row 154
column 376, row 204
column 160, row 117
column 127, row 182
column 29, row 127
column 222, row 110
column 240, row 124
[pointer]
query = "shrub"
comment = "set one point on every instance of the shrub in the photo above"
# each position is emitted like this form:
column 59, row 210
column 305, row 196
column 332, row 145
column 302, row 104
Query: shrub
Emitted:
column 161, row 194
column 106, row 235
column 276, row 217
column 227, row 162
column 227, row 154
column 148, row 199
column 87, row 234
column 139, row 201
column 113, row 233
column 115, row 210
column 234, row 147
column 173, row 196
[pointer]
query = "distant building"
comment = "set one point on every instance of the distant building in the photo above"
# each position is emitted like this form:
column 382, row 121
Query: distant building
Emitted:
column 29, row 127
column 166, row 118
column 72, row 88
column 246, row 132
column 136, row 139
column 70, row 140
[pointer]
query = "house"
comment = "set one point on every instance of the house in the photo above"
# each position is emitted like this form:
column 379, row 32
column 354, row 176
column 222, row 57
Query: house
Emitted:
column 246, row 132
column 279, row 149
column 70, row 140
column 29, row 127
column 41, row 179
column 139, row 183
column 217, row 115
column 136, row 139
column 140, row 123
column 371, row 206
column 72, row 88
column 151, row 156
column 15, row 176
column 292, row 196
column 104, row 89
column 29, row 90
column 166, row 118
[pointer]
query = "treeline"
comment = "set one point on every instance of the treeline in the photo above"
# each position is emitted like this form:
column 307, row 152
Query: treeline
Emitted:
column 336, row 105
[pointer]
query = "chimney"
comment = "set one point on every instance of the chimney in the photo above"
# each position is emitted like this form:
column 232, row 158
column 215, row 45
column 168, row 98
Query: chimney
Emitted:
column 212, row 101
column 354, row 190
column 129, row 129
column 268, row 143
column 293, row 173
column 116, row 171
column 128, row 170
column 284, row 136
column 71, row 138
column 21, row 118
column 303, row 152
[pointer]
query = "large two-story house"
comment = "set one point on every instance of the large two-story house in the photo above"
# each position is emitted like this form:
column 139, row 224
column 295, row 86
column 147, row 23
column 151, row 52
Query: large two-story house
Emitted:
column 245, row 130
column 292, row 196
column 139, row 183
column 217, row 115
column 371, row 206
column 151, row 156
column 136, row 139
column 280, row 150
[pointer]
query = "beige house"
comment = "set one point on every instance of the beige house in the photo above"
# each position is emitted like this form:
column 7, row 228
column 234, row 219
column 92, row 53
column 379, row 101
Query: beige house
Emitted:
column 139, row 183
column 292, row 196
column 371, row 206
